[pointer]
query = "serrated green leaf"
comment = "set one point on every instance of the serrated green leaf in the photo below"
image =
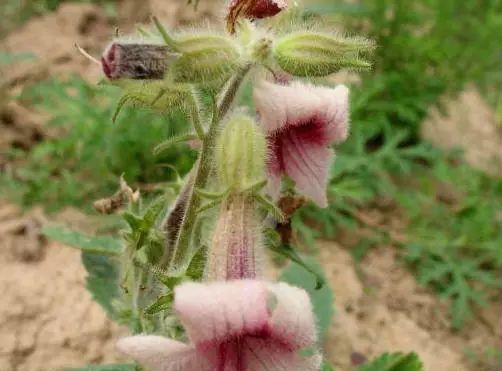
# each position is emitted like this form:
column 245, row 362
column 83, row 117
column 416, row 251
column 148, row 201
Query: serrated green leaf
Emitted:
column 394, row 362
column 107, row 246
column 164, row 302
column 118, row 367
column 153, row 211
column 102, row 280
column 322, row 300
column 132, row 220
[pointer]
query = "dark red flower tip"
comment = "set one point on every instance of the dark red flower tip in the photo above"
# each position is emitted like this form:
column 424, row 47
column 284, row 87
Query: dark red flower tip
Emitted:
column 253, row 9
column 266, row 8
column 110, row 60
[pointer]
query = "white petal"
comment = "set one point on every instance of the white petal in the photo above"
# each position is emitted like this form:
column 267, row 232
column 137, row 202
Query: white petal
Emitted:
column 292, row 320
column 297, row 103
column 161, row 354
column 336, row 111
column 215, row 312
column 279, row 105
column 263, row 356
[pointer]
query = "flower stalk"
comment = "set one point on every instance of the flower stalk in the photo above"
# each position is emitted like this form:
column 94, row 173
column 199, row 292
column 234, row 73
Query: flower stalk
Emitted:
column 177, row 258
column 235, row 319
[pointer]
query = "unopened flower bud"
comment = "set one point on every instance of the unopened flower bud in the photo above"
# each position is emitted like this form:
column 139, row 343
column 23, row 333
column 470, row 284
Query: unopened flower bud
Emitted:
column 316, row 54
column 240, row 154
column 205, row 58
column 253, row 9
column 136, row 61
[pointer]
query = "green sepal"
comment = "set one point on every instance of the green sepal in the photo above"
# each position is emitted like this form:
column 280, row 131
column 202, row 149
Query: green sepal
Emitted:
column 318, row 54
column 211, row 195
column 156, row 95
column 256, row 187
column 165, row 145
column 270, row 207
column 163, row 303
column 208, row 206
column 206, row 59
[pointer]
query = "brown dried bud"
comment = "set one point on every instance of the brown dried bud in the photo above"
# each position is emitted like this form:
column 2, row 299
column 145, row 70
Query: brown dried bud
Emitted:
column 137, row 61
column 121, row 198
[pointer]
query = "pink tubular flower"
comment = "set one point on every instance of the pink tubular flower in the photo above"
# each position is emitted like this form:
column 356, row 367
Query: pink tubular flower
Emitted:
column 244, row 325
column 302, row 121
column 253, row 9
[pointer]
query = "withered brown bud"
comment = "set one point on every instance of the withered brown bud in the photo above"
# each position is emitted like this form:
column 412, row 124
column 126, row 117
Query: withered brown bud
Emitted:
column 137, row 61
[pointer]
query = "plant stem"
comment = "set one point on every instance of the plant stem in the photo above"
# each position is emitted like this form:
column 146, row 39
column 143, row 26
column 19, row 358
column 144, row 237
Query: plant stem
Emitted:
column 196, row 116
column 179, row 256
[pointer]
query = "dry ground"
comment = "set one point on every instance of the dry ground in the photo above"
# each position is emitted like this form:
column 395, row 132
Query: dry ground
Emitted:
column 48, row 320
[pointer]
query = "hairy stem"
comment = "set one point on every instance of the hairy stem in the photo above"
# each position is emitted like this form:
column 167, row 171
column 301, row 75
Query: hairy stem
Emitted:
column 178, row 257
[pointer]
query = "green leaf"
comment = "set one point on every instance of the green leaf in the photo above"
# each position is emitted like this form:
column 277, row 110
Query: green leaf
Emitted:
column 177, row 139
column 164, row 302
column 290, row 253
column 394, row 362
column 322, row 300
column 122, row 367
column 327, row 367
column 106, row 246
column 143, row 226
column 102, row 280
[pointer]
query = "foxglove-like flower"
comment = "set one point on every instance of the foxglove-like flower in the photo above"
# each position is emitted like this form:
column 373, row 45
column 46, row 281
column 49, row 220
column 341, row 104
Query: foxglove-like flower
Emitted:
column 302, row 122
column 244, row 325
column 237, row 248
column 136, row 61
column 253, row 9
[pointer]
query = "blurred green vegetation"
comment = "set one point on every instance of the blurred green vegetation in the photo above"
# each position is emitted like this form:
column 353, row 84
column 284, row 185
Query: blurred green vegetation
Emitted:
column 84, row 161
column 15, row 12
column 426, row 49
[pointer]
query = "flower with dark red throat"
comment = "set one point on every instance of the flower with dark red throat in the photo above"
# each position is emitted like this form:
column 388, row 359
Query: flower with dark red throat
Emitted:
column 253, row 9
column 302, row 122
column 244, row 325
column 136, row 61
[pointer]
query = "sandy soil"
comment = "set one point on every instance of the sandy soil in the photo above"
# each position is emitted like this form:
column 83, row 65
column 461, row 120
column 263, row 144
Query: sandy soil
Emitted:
column 468, row 122
column 48, row 320
column 381, row 308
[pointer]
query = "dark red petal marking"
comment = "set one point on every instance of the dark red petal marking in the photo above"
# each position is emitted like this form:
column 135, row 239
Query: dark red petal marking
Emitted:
column 106, row 68
column 252, row 9
column 110, row 62
column 313, row 131
column 264, row 9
